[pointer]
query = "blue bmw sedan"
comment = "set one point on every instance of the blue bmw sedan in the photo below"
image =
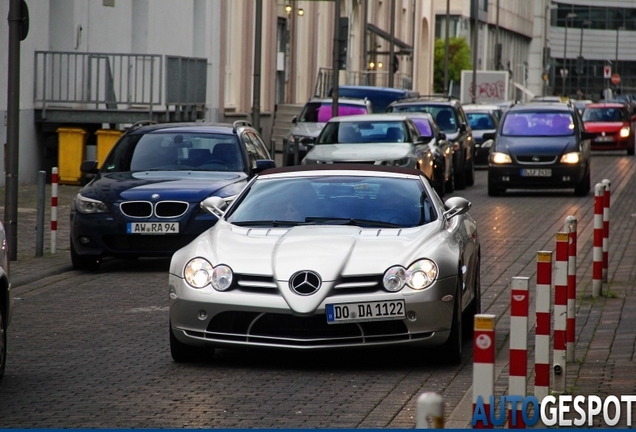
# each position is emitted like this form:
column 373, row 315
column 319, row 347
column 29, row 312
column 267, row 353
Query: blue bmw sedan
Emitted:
column 144, row 200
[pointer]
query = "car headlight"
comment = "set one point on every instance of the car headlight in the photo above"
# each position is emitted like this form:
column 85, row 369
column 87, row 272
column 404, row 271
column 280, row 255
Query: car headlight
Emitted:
column 399, row 162
column 500, row 158
column 89, row 205
column 394, row 279
column 198, row 272
column 222, row 277
column 571, row 158
column 421, row 274
column 624, row 133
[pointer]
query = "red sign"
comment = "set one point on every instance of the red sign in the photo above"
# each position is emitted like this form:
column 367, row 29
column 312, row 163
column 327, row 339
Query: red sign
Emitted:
column 607, row 72
column 616, row 79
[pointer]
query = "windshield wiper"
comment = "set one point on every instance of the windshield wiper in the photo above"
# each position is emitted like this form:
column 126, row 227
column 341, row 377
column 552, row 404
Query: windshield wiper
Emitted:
column 273, row 223
column 352, row 221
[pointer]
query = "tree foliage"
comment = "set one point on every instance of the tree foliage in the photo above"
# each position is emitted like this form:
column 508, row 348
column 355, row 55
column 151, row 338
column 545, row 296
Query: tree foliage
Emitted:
column 458, row 60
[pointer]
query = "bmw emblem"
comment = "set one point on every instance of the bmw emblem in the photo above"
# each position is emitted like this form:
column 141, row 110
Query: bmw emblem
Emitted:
column 154, row 196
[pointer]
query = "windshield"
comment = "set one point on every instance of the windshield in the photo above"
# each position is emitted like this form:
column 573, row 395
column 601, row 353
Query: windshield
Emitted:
column 175, row 152
column 480, row 121
column 604, row 115
column 320, row 112
column 544, row 123
column 358, row 132
column 339, row 200
column 444, row 115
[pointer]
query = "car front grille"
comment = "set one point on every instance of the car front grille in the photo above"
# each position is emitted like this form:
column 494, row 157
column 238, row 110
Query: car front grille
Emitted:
column 535, row 159
column 345, row 286
column 162, row 209
column 272, row 329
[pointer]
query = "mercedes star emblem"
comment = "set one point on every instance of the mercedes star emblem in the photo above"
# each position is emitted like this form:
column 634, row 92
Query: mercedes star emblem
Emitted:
column 305, row 282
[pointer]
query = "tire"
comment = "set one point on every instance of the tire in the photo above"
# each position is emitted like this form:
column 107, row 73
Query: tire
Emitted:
column 84, row 262
column 440, row 188
column 583, row 188
column 3, row 342
column 450, row 184
column 452, row 348
column 474, row 307
column 630, row 151
column 470, row 172
column 182, row 353
column 460, row 176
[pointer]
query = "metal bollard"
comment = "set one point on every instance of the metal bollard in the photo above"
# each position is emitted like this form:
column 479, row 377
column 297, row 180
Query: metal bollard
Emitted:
column 285, row 151
column 606, row 208
column 272, row 148
column 559, row 337
column 571, row 229
column 54, row 180
column 484, row 364
column 597, row 251
column 429, row 405
column 39, row 240
column 542, row 331
column 519, row 306
column 297, row 153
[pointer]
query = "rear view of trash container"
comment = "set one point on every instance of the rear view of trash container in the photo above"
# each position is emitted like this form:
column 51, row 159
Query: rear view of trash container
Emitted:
column 70, row 154
column 106, row 139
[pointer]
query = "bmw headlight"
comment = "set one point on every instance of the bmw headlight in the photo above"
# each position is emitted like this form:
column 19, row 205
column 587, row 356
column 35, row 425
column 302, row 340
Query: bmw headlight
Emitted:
column 222, row 277
column 198, row 272
column 89, row 205
column 624, row 133
column 571, row 158
column 394, row 279
column 500, row 158
column 421, row 274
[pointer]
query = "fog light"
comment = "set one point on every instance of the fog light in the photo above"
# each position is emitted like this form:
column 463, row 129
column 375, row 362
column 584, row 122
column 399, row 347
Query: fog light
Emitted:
column 172, row 292
column 202, row 315
column 505, row 178
column 411, row 316
column 566, row 178
column 84, row 240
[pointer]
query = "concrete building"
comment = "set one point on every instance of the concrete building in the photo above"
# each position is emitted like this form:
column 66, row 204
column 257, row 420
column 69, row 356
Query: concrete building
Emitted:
column 106, row 64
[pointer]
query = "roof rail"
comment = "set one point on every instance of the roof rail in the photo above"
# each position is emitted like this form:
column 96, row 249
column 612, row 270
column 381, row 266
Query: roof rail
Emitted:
column 240, row 123
column 136, row 125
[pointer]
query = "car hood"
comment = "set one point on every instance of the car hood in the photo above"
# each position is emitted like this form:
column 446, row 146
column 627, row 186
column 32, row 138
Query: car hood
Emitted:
column 536, row 145
column 330, row 251
column 191, row 186
column 306, row 129
column 360, row 152
column 603, row 126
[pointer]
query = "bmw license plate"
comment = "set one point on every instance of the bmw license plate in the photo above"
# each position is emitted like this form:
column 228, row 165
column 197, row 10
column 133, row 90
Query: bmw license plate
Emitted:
column 536, row 172
column 154, row 228
column 367, row 311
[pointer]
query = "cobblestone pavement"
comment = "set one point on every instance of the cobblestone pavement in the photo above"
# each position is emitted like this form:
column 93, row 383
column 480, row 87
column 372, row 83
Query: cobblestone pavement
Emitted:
column 61, row 364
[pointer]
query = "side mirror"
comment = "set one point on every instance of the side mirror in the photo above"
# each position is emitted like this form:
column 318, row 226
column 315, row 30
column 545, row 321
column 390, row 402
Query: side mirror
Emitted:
column 89, row 167
column 214, row 205
column 307, row 142
column 489, row 135
column 295, row 119
column 441, row 136
column 456, row 206
column 462, row 127
column 423, row 139
column 264, row 164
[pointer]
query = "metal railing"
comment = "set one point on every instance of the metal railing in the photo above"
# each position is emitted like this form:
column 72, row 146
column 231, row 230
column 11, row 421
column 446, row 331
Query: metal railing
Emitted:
column 98, row 80
column 368, row 78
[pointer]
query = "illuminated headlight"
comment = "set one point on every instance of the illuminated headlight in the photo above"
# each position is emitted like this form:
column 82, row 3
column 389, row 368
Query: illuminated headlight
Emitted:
column 394, row 279
column 500, row 158
column 421, row 274
column 571, row 158
column 198, row 272
column 624, row 133
column 400, row 162
column 89, row 205
column 487, row 144
column 222, row 277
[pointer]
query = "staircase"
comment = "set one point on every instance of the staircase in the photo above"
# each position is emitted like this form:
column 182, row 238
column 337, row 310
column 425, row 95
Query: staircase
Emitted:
column 283, row 123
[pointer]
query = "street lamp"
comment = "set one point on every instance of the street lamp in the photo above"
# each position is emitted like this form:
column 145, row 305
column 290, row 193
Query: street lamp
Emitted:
column 564, row 71
column 546, row 49
column 616, row 56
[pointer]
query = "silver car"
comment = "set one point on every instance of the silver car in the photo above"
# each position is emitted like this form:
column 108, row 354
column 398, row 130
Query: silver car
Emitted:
column 327, row 257
column 6, row 299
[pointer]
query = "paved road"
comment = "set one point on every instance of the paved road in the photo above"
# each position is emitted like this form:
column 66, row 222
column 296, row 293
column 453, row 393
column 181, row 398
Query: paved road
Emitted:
column 90, row 350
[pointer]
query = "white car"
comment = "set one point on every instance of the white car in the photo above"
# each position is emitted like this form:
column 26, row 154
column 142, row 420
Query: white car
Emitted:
column 326, row 257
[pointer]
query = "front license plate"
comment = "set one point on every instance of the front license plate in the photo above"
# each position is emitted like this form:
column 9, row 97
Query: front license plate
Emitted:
column 367, row 311
column 153, row 228
column 604, row 139
column 536, row 172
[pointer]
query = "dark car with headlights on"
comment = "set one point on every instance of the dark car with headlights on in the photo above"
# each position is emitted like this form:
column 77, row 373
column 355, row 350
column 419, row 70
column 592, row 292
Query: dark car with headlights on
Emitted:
column 377, row 139
column 144, row 200
column 327, row 257
column 540, row 146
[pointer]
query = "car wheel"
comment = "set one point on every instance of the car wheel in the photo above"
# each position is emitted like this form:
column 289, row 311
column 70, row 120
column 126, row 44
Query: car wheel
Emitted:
column 450, row 184
column 470, row 173
column 493, row 190
column 460, row 177
column 3, row 342
column 630, row 151
column 182, row 353
column 474, row 308
column 452, row 348
column 84, row 262
column 583, row 188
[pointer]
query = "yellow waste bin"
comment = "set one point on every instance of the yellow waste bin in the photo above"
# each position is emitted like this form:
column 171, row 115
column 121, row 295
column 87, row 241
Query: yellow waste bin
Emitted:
column 70, row 154
column 106, row 139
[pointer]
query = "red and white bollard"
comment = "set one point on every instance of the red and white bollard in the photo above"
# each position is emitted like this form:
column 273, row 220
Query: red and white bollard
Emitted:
column 542, row 333
column 54, row 181
column 484, row 364
column 606, row 208
column 519, row 306
column 597, row 251
column 560, row 312
column 571, row 229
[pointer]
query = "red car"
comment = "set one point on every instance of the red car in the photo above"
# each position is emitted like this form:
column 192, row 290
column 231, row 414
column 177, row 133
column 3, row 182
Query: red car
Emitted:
column 611, row 124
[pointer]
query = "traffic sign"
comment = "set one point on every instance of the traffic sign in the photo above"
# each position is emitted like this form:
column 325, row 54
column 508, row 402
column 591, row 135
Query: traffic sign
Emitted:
column 607, row 72
column 616, row 79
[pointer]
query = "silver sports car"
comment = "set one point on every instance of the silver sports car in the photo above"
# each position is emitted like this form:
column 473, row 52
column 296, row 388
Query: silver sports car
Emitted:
column 328, row 256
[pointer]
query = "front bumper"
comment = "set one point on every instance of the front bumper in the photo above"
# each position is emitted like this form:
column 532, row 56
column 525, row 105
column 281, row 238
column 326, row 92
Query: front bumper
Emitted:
column 510, row 176
column 262, row 318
